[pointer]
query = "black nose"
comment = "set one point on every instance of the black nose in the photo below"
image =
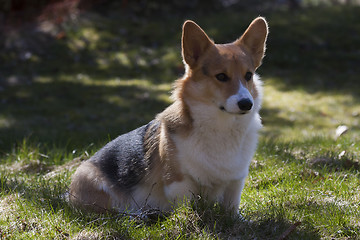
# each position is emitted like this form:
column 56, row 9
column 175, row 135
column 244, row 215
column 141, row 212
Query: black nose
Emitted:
column 245, row 104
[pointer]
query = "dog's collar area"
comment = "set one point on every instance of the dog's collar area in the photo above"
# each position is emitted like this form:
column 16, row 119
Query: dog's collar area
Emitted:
column 222, row 108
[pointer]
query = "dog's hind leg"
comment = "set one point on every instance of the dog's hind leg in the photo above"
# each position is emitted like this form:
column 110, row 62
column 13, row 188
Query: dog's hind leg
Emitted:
column 180, row 191
column 89, row 189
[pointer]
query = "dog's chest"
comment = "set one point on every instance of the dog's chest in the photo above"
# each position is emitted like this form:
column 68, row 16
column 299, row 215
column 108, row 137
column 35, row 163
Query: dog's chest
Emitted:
column 210, row 156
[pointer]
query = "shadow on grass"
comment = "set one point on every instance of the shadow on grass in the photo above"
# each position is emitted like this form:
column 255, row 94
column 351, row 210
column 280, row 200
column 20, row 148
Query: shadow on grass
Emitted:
column 335, row 164
column 75, row 114
column 315, row 156
column 319, row 55
column 316, row 55
column 63, row 109
column 223, row 224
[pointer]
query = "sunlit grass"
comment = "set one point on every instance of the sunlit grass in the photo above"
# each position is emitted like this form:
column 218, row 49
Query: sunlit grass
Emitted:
column 303, row 115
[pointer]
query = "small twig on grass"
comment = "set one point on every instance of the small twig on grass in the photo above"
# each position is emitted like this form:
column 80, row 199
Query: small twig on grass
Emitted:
column 289, row 231
column 63, row 234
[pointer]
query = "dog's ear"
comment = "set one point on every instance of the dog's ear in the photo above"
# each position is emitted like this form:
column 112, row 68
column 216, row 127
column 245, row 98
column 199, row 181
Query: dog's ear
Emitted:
column 195, row 42
column 254, row 39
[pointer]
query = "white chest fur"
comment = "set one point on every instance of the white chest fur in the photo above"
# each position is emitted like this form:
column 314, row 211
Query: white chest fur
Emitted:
column 219, row 148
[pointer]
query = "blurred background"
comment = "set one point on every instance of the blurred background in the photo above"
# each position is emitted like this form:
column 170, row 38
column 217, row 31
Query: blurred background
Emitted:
column 76, row 73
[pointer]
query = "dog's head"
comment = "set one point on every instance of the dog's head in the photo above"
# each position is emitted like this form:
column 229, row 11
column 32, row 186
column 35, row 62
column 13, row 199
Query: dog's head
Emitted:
column 222, row 75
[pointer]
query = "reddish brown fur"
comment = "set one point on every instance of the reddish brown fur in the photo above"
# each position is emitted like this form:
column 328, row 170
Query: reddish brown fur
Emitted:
column 231, row 59
column 159, row 147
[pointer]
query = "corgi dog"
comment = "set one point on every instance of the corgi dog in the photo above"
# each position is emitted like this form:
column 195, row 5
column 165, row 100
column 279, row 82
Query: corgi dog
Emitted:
column 202, row 144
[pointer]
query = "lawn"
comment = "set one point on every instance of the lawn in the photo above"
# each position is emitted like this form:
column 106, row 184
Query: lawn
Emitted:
column 66, row 90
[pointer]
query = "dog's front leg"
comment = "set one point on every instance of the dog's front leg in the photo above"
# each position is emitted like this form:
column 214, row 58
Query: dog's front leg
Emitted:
column 232, row 195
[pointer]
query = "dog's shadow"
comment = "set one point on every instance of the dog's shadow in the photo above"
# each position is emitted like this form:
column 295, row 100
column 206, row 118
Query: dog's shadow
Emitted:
column 203, row 217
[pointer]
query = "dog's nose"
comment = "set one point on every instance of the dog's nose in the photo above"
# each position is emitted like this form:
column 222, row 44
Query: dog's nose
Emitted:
column 245, row 104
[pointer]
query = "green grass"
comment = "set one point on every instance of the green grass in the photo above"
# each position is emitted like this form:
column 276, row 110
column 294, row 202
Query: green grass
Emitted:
column 111, row 74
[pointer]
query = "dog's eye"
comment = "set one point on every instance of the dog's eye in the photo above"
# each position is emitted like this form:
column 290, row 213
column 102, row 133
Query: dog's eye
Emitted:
column 248, row 76
column 222, row 77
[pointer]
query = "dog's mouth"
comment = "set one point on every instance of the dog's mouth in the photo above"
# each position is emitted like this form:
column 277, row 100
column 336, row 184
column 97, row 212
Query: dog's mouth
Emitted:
column 222, row 108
